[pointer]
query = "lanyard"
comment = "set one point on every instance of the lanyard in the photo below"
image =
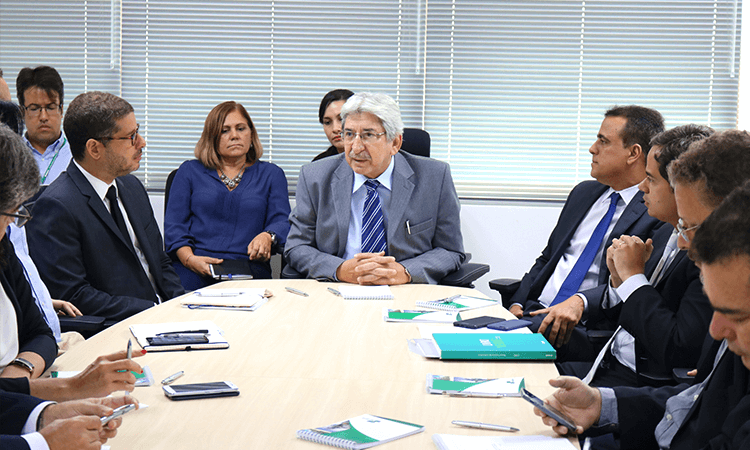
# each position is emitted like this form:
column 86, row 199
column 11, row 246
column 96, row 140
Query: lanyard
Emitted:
column 57, row 152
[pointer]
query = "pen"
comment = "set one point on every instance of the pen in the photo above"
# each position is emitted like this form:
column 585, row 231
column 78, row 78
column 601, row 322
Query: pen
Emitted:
column 130, row 349
column 239, row 277
column 334, row 291
column 296, row 291
column 170, row 379
column 408, row 228
column 476, row 394
column 167, row 333
column 219, row 294
column 483, row 426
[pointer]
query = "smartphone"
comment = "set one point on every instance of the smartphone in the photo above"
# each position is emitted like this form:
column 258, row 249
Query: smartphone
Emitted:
column 477, row 322
column 509, row 324
column 117, row 413
column 561, row 418
column 178, row 339
column 200, row 390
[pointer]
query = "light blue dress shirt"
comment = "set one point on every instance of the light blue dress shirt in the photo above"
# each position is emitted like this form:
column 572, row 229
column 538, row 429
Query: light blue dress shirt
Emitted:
column 54, row 160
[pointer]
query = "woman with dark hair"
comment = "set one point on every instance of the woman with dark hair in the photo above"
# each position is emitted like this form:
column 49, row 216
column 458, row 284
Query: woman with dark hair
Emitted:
column 226, row 204
column 328, row 116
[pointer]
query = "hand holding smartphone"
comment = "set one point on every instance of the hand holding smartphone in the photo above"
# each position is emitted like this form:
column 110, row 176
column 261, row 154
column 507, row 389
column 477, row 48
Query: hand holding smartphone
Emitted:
column 548, row 409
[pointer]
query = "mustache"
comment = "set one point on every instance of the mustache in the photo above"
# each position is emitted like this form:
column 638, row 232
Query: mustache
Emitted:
column 363, row 155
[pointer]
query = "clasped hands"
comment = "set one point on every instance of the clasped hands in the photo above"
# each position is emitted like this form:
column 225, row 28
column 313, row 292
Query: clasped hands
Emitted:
column 258, row 249
column 372, row 268
column 626, row 257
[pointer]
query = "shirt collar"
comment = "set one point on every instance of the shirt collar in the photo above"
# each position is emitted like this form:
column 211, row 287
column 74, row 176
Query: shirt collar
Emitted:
column 385, row 178
column 57, row 145
column 99, row 186
column 626, row 194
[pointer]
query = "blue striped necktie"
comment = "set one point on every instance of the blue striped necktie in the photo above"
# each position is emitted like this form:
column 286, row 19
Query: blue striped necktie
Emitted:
column 373, row 229
column 580, row 269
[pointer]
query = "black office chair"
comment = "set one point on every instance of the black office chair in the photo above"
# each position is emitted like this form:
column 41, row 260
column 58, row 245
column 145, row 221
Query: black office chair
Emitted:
column 417, row 142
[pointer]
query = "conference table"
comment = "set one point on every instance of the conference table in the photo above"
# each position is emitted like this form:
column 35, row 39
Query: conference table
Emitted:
column 305, row 362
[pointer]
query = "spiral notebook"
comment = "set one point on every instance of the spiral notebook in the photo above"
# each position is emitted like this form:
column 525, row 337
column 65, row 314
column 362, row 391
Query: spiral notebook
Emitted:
column 360, row 432
column 458, row 303
column 354, row 292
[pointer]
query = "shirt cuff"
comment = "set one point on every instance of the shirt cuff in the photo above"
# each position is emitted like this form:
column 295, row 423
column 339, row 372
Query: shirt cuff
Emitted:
column 630, row 285
column 33, row 419
column 612, row 298
column 608, row 415
column 585, row 303
column 36, row 441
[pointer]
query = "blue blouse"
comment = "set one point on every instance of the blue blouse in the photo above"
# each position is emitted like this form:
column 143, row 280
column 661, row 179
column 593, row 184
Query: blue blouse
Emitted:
column 203, row 214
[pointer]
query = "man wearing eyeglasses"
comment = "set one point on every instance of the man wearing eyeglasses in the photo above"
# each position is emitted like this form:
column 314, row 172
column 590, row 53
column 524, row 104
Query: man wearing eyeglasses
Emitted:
column 375, row 215
column 94, row 236
column 40, row 93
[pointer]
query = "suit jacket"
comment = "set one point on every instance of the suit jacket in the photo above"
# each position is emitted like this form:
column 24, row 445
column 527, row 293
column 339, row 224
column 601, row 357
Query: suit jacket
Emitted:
column 670, row 320
column 34, row 335
column 422, row 194
column 14, row 412
column 633, row 221
column 719, row 419
column 83, row 257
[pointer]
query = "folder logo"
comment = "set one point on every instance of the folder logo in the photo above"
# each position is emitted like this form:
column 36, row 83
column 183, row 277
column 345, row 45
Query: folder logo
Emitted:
column 497, row 341
column 485, row 342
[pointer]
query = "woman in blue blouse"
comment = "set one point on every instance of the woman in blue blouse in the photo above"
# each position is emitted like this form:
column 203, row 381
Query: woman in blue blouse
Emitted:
column 226, row 204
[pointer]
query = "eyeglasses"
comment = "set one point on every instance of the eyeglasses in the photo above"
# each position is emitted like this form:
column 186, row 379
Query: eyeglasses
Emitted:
column 133, row 137
column 367, row 137
column 21, row 217
column 34, row 109
column 683, row 231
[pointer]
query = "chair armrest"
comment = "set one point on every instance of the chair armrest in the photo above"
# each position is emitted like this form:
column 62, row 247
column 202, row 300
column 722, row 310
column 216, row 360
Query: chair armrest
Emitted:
column 655, row 380
column 87, row 326
column 288, row 272
column 506, row 287
column 679, row 374
column 465, row 275
column 598, row 338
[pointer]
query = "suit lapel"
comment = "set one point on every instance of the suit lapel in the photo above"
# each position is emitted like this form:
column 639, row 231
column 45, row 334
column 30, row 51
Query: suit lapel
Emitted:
column 402, row 186
column 633, row 211
column 136, row 216
column 343, row 180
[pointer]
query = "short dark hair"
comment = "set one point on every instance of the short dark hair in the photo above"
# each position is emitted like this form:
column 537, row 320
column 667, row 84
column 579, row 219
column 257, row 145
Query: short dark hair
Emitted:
column 10, row 114
column 675, row 142
column 43, row 77
column 641, row 126
column 93, row 115
column 721, row 162
column 726, row 231
column 333, row 96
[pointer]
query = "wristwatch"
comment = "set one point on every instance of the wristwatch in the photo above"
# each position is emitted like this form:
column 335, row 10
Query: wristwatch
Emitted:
column 273, row 237
column 20, row 362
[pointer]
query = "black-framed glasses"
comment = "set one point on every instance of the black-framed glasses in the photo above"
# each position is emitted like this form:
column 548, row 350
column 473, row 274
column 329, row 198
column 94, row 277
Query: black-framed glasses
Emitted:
column 367, row 136
column 20, row 218
column 683, row 231
column 34, row 109
column 133, row 137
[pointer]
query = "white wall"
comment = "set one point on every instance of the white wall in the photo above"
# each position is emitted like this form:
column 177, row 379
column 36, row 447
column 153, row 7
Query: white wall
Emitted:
column 507, row 235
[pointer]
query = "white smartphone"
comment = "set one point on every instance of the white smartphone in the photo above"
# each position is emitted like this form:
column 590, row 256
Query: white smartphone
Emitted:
column 561, row 418
column 200, row 390
column 117, row 413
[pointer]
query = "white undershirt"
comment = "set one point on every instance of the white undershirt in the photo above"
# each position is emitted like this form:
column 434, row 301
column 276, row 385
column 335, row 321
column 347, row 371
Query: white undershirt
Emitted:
column 8, row 331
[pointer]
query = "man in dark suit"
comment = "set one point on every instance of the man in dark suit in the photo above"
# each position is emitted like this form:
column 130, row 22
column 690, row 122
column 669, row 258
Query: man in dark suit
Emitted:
column 416, row 232
column 575, row 257
column 662, row 318
column 715, row 411
column 94, row 237
column 29, row 423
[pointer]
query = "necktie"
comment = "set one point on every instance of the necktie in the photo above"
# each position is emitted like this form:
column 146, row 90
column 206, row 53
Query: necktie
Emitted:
column 114, row 209
column 373, row 229
column 575, row 277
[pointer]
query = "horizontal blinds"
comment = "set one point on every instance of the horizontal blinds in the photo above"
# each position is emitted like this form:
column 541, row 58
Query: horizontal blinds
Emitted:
column 512, row 92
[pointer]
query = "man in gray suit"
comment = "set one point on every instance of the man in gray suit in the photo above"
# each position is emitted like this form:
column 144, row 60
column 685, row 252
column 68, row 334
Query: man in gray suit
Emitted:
column 375, row 215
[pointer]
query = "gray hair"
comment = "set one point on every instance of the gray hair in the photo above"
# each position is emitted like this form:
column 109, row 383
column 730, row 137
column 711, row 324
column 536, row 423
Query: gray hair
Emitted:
column 19, row 173
column 382, row 106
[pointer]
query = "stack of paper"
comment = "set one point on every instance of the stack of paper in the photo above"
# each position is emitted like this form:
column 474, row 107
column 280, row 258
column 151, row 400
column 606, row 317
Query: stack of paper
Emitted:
column 235, row 299
column 456, row 442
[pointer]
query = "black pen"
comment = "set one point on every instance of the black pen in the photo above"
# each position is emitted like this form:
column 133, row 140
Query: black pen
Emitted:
column 166, row 333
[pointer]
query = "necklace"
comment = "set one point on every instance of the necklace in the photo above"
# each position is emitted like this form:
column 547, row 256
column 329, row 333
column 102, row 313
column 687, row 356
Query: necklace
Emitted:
column 233, row 182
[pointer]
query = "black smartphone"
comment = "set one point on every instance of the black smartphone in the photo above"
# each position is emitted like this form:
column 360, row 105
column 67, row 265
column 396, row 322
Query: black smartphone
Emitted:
column 200, row 390
column 178, row 339
column 509, row 324
column 477, row 322
column 561, row 418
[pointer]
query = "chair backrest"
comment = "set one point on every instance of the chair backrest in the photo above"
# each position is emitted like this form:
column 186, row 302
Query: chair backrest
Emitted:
column 416, row 141
column 167, row 187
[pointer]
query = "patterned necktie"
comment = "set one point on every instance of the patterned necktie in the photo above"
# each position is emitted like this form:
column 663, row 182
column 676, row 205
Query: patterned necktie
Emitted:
column 575, row 277
column 373, row 229
column 114, row 209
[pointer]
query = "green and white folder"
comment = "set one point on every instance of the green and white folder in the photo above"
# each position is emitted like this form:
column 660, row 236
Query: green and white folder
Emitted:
column 458, row 303
column 475, row 387
column 360, row 432
column 420, row 315
column 502, row 346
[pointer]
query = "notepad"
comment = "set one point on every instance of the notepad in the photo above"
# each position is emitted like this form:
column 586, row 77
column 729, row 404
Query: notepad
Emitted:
column 142, row 332
column 457, row 442
column 420, row 315
column 353, row 292
column 235, row 299
column 360, row 432
column 475, row 387
column 457, row 303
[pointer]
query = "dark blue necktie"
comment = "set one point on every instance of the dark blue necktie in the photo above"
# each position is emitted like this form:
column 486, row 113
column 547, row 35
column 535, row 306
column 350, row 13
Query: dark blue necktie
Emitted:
column 373, row 229
column 575, row 277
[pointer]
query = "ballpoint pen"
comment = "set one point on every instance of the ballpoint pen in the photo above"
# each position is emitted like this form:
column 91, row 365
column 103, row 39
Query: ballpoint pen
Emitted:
column 296, row 291
column 171, row 379
column 476, row 394
column 483, row 426
column 334, row 291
